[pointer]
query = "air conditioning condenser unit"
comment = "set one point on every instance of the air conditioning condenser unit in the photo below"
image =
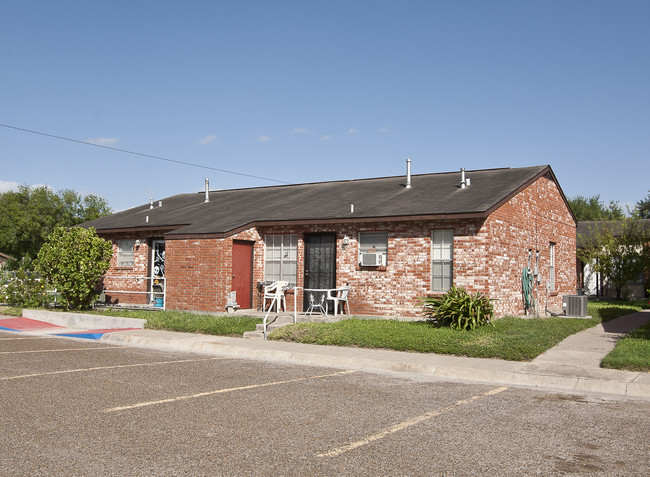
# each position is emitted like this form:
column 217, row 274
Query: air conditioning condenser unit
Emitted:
column 574, row 305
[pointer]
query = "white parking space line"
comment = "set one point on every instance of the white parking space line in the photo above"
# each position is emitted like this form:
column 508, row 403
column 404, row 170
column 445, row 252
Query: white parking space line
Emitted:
column 57, row 350
column 226, row 390
column 98, row 368
column 406, row 424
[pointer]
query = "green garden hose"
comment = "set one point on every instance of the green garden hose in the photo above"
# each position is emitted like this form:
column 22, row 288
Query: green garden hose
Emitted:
column 527, row 289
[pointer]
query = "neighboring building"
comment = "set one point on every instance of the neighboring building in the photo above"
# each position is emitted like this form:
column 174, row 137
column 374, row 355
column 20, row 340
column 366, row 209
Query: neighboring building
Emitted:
column 595, row 284
column 393, row 239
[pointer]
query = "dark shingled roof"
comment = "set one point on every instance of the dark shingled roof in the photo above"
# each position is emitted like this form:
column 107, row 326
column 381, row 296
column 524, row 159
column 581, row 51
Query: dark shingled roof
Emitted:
column 229, row 211
column 588, row 231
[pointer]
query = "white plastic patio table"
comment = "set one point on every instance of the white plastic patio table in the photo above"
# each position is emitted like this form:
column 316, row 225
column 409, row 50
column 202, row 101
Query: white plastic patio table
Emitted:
column 324, row 290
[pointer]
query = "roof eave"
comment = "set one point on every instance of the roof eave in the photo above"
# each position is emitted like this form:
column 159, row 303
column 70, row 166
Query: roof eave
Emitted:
column 324, row 221
column 547, row 169
column 121, row 230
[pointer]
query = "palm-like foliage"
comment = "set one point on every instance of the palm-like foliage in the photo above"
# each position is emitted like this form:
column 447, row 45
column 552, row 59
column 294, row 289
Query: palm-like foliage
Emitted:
column 458, row 309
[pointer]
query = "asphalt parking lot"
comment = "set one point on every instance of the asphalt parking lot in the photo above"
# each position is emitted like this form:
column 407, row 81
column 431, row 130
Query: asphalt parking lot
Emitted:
column 81, row 407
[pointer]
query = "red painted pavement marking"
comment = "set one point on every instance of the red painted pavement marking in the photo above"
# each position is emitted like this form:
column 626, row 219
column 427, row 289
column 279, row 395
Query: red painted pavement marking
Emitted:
column 26, row 324
column 108, row 330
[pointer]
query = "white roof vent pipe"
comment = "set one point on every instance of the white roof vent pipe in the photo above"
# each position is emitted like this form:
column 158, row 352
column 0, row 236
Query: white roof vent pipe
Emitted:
column 408, row 174
column 463, row 181
column 207, row 190
column 151, row 202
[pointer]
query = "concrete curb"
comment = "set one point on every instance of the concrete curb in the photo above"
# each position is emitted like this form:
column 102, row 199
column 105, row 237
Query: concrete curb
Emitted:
column 571, row 366
column 315, row 355
column 448, row 368
column 83, row 321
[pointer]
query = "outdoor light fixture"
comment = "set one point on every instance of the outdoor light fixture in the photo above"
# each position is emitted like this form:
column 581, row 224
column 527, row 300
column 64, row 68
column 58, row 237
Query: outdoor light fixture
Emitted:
column 346, row 240
column 137, row 243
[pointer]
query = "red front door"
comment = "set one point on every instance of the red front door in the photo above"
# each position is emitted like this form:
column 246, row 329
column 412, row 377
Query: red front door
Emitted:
column 242, row 272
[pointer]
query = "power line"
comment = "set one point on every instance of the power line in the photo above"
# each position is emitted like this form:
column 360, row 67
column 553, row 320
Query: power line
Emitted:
column 54, row 136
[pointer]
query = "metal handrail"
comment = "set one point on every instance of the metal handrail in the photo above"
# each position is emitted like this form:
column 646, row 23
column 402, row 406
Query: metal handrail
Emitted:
column 135, row 292
column 276, row 297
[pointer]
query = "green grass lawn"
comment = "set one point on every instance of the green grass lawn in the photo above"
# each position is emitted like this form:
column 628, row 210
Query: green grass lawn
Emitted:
column 230, row 325
column 631, row 353
column 223, row 325
column 10, row 311
column 510, row 338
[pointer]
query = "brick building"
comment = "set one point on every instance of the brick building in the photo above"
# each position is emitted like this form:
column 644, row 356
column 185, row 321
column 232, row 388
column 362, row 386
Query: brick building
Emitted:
column 393, row 240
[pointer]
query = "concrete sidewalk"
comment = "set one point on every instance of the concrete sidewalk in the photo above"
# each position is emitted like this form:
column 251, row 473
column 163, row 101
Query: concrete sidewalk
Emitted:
column 571, row 366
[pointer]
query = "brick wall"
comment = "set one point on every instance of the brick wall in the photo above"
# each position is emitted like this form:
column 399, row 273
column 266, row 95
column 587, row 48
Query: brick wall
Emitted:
column 529, row 221
column 199, row 271
column 193, row 269
column 489, row 256
column 119, row 280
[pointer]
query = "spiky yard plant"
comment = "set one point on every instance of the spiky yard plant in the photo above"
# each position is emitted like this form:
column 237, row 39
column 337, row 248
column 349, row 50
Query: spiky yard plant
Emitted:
column 458, row 309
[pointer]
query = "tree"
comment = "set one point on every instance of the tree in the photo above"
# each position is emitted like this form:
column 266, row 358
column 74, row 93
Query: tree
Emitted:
column 73, row 260
column 29, row 215
column 619, row 250
column 642, row 209
column 592, row 208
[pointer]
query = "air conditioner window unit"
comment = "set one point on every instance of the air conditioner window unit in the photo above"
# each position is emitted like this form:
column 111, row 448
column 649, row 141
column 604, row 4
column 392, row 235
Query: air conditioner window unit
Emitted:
column 373, row 259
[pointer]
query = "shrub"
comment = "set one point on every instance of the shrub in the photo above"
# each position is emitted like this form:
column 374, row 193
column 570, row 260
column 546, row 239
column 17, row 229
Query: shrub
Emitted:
column 21, row 288
column 73, row 260
column 458, row 309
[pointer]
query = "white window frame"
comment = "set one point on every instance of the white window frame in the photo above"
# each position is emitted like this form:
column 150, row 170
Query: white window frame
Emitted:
column 373, row 242
column 281, row 258
column 551, row 266
column 442, row 258
column 125, row 253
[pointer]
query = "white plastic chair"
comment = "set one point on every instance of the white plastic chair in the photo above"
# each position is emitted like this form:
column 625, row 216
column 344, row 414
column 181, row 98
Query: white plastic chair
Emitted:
column 313, row 304
column 275, row 293
column 340, row 297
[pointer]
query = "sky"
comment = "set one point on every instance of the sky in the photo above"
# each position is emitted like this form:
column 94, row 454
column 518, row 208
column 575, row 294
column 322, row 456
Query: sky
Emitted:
column 129, row 100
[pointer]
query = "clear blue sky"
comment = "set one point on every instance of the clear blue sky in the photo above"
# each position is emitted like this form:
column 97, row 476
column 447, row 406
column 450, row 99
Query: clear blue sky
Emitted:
column 306, row 91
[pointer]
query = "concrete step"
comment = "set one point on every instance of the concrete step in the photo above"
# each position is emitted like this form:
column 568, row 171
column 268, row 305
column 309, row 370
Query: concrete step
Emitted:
column 284, row 320
column 271, row 327
column 254, row 335
column 321, row 318
column 281, row 319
